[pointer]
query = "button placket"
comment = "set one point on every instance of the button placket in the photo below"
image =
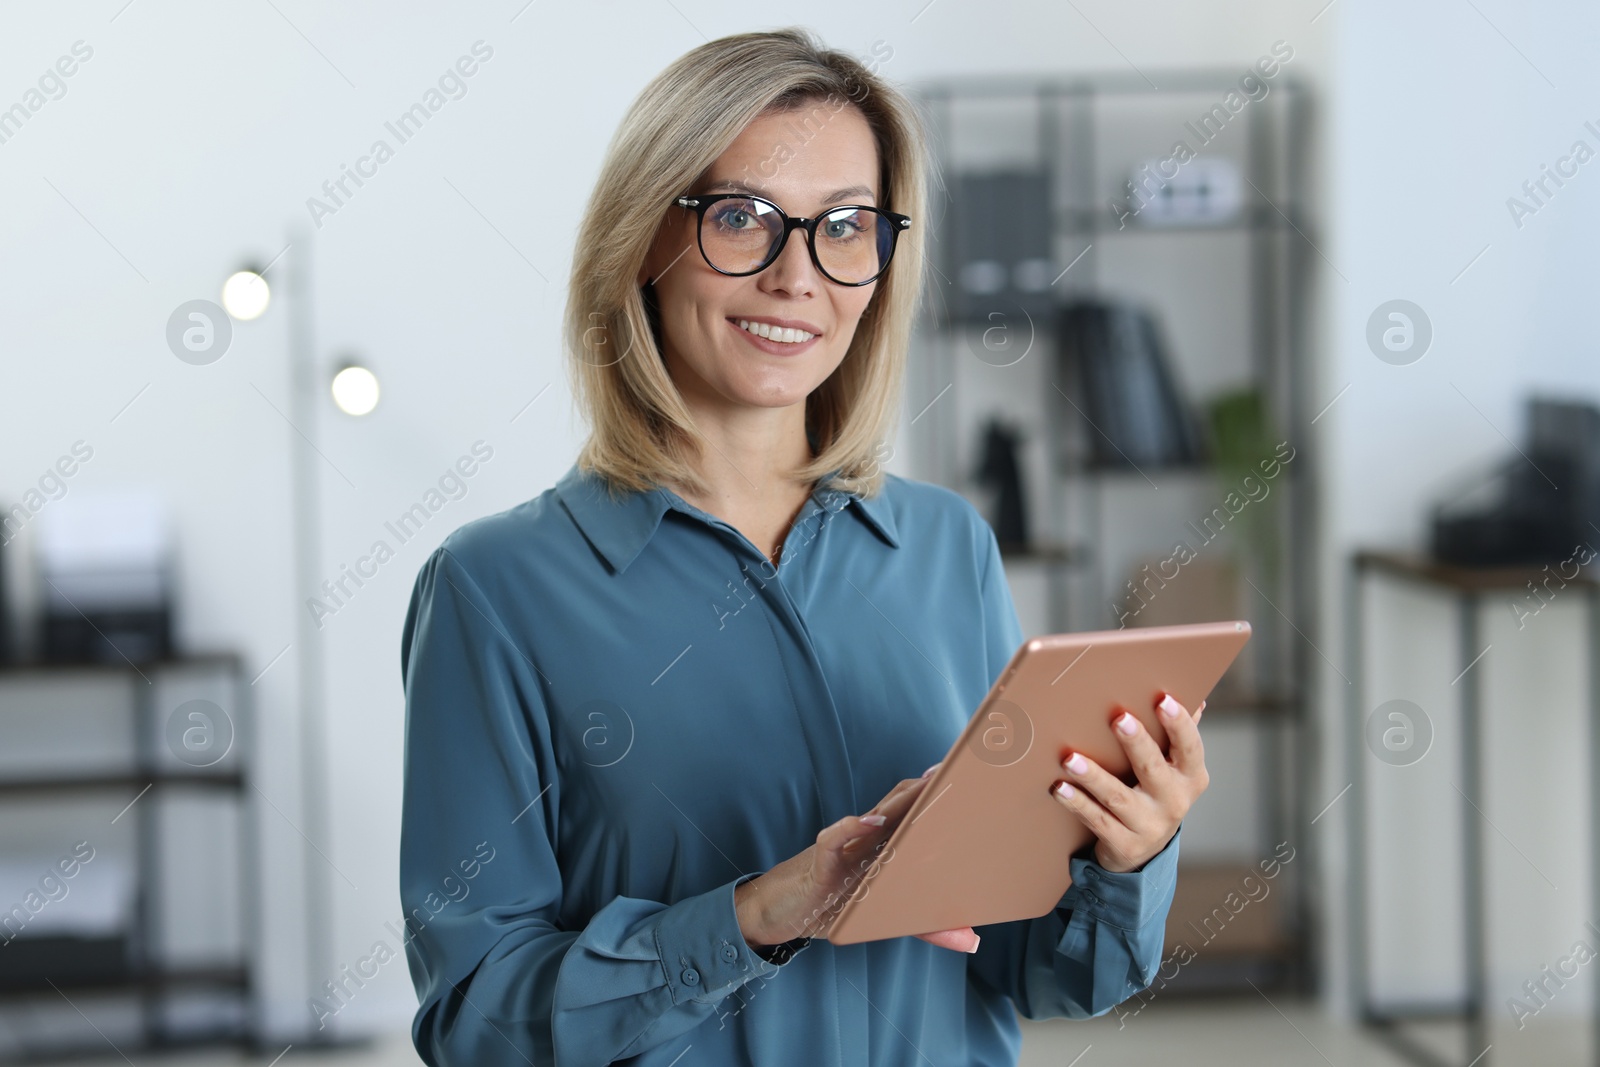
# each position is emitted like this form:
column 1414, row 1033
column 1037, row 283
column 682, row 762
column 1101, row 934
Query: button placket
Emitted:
column 835, row 779
column 817, row 712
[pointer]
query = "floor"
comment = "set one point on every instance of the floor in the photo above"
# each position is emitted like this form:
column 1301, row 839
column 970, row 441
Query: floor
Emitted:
column 1221, row 1033
column 1245, row 1034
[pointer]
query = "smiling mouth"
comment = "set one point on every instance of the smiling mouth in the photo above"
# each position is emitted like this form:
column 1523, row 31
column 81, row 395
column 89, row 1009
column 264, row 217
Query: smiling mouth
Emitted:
column 780, row 334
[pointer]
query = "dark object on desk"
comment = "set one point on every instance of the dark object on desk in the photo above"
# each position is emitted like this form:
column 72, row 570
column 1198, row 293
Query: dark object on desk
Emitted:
column 1570, row 431
column 999, row 468
column 1116, row 355
column 1537, row 507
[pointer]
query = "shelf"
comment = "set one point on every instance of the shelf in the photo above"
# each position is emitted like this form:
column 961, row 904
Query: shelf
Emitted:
column 199, row 659
column 1200, row 917
column 1098, row 223
column 68, row 783
column 1194, row 471
column 1466, row 579
column 1251, row 706
column 1171, row 470
column 1106, row 83
column 1067, row 555
column 152, row 979
column 1281, row 950
column 1145, row 472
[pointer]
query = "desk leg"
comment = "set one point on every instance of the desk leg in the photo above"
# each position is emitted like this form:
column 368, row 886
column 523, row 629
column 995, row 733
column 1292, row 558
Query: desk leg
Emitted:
column 1473, row 837
column 1356, row 816
column 1594, row 786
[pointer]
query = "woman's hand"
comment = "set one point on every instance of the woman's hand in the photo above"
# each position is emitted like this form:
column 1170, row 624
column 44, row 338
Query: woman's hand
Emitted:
column 801, row 896
column 1133, row 823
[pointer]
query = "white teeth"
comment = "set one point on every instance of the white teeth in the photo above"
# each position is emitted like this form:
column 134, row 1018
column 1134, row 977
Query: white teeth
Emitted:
column 775, row 333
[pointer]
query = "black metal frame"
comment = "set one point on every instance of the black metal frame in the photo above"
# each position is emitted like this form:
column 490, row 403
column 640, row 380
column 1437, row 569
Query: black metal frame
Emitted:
column 1276, row 226
column 698, row 203
column 1469, row 592
column 148, row 976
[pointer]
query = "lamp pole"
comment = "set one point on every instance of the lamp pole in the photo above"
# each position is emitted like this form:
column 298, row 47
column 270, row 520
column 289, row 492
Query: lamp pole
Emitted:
column 303, row 398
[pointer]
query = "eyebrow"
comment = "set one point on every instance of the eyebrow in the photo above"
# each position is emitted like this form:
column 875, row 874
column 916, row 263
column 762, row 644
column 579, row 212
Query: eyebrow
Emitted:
column 832, row 198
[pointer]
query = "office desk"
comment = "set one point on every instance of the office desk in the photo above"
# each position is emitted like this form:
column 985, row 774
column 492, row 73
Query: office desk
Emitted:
column 1468, row 586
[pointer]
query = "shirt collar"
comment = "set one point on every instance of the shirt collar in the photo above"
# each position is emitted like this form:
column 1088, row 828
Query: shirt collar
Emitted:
column 620, row 527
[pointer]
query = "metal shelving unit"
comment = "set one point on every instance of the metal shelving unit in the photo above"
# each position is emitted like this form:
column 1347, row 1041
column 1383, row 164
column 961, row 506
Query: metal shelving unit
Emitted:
column 135, row 962
column 1076, row 131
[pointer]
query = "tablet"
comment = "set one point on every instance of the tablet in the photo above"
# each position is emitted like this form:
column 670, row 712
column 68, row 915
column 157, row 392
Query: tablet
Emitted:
column 986, row 842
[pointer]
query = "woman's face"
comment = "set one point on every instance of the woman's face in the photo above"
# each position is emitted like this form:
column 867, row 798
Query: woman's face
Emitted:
column 829, row 161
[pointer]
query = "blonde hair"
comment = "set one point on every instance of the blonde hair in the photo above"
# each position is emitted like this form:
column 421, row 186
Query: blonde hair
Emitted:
column 641, row 432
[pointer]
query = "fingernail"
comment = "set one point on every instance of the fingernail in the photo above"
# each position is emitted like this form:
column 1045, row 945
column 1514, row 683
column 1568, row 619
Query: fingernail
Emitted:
column 1077, row 764
column 975, row 940
column 1201, row 708
column 1169, row 706
column 1128, row 724
column 874, row 820
column 1064, row 790
column 930, row 770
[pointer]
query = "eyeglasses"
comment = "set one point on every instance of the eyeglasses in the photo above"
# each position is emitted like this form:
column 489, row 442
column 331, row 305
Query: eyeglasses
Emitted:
column 850, row 245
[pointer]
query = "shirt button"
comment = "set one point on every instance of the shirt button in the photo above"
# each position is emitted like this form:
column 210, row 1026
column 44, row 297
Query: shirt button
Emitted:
column 690, row 976
column 729, row 953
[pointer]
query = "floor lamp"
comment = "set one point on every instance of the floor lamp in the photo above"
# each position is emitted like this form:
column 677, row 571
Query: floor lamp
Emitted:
column 307, row 510
column 355, row 391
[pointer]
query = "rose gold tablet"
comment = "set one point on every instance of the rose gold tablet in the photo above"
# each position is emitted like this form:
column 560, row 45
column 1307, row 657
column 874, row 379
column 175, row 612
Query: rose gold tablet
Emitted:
column 986, row 842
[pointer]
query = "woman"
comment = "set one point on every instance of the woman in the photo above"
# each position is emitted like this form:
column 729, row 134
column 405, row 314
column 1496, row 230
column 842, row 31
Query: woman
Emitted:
column 646, row 707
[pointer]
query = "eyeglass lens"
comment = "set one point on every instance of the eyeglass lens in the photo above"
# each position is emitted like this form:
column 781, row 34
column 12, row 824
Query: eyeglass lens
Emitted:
column 852, row 244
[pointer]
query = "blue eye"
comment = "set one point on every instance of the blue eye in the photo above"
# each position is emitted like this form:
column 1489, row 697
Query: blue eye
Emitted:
column 842, row 226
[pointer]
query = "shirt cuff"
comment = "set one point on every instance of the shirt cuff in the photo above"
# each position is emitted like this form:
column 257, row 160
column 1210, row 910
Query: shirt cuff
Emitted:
column 703, row 952
column 1127, row 900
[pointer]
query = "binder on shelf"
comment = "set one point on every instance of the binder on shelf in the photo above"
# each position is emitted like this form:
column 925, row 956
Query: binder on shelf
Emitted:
column 1140, row 419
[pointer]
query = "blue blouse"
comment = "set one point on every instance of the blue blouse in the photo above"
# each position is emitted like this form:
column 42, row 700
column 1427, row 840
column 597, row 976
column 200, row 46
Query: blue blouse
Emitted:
column 617, row 711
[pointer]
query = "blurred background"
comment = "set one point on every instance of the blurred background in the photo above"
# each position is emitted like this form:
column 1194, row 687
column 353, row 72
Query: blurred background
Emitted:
column 1278, row 311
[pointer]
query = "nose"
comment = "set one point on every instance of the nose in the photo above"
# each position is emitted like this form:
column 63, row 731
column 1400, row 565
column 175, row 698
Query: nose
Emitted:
column 793, row 272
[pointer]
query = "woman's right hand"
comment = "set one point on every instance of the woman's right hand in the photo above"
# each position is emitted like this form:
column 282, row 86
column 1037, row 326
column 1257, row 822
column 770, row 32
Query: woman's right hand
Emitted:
column 801, row 896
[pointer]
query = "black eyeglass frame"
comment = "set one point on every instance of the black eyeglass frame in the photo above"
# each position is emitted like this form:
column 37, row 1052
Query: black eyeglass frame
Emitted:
column 699, row 203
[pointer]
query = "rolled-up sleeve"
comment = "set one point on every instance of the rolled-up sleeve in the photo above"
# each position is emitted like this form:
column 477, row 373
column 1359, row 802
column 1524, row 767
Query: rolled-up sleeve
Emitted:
column 499, row 977
column 1102, row 943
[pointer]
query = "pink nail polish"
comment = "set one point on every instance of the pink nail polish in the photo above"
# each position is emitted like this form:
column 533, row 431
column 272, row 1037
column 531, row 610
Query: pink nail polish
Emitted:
column 1064, row 789
column 930, row 770
column 1077, row 764
column 874, row 820
column 1128, row 724
column 1169, row 706
column 975, row 940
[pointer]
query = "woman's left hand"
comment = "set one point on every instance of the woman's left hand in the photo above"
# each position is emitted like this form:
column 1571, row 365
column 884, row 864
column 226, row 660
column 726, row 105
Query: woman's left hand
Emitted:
column 1133, row 823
